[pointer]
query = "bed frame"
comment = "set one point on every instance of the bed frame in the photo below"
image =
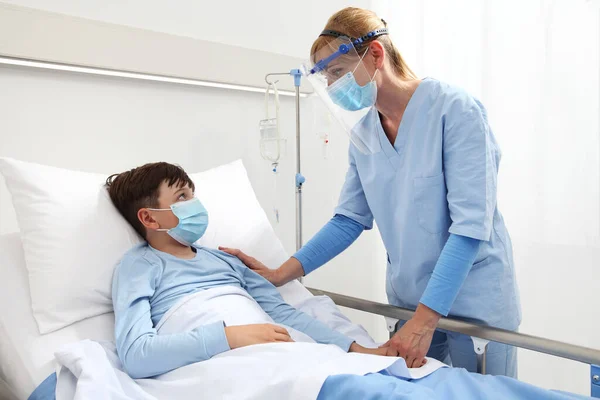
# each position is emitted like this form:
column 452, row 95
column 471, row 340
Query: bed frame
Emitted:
column 480, row 334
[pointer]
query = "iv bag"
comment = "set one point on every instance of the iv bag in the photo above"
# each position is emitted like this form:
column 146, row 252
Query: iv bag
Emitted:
column 272, row 144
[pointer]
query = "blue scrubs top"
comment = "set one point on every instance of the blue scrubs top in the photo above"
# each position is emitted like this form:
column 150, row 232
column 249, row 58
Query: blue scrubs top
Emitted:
column 439, row 177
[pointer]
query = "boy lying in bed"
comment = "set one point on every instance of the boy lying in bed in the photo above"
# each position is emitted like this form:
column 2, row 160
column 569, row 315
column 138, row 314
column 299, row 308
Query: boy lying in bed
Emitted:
column 158, row 201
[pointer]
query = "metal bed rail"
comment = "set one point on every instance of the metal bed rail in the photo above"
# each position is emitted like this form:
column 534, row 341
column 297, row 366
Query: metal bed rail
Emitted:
column 481, row 335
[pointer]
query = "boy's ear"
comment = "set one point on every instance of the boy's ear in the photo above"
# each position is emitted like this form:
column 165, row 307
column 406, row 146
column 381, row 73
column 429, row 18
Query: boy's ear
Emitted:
column 146, row 219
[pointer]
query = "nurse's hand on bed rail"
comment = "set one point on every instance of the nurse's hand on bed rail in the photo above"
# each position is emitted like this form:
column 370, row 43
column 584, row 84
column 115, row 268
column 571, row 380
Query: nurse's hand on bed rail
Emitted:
column 290, row 270
column 247, row 335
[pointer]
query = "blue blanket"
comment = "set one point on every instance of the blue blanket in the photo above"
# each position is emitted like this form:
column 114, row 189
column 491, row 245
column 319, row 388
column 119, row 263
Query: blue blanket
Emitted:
column 445, row 383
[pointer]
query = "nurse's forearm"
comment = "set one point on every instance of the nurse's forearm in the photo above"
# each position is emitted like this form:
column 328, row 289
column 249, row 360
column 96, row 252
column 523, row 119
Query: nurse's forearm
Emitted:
column 336, row 236
column 450, row 272
column 289, row 270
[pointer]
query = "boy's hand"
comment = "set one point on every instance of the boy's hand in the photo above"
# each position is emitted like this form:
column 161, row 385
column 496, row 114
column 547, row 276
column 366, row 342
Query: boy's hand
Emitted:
column 357, row 348
column 381, row 351
column 247, row 335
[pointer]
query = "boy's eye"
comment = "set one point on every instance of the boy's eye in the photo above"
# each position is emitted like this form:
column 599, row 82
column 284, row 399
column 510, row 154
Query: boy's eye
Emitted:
column 181, row 196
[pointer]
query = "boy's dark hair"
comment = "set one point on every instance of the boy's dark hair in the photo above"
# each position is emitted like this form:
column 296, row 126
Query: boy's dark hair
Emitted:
column 138, row 188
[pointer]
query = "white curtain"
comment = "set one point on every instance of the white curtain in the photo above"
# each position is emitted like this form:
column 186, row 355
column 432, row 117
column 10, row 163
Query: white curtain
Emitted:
column 535, row 65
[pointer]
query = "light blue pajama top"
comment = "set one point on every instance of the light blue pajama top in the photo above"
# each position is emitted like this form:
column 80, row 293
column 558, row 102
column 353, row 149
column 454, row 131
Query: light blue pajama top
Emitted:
column 148, row 282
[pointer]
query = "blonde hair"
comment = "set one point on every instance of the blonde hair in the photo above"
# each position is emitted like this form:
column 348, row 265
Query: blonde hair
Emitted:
column 356, row 22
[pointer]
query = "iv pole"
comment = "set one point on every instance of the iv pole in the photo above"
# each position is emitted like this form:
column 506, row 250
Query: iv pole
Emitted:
column 299, row 178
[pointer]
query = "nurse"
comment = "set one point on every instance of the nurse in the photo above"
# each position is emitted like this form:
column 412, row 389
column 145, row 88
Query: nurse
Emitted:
column 423, row 164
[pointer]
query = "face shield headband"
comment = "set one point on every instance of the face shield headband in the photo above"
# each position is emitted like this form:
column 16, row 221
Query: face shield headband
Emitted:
column 357, row 43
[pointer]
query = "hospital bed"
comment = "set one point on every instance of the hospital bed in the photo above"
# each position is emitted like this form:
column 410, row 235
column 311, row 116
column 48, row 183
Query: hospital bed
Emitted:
column 27, row 357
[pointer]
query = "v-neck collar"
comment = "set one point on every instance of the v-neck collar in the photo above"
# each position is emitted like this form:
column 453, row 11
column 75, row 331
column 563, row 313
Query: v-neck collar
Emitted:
column 394, row 152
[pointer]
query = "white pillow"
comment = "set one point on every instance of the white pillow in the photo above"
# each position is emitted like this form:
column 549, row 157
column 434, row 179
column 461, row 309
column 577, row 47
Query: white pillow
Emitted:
column 73, row 236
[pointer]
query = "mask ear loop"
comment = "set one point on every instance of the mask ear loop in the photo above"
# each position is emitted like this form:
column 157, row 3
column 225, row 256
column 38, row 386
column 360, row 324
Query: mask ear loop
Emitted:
column 160, row 209
column 360, row 62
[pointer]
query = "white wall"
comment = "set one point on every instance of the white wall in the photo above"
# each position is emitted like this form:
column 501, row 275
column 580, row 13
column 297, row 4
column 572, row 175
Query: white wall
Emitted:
column 277, row 26
column 107, row 125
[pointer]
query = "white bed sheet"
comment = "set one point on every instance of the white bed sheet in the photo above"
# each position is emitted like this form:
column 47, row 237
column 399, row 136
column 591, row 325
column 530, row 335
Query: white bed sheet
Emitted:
column 27, row 358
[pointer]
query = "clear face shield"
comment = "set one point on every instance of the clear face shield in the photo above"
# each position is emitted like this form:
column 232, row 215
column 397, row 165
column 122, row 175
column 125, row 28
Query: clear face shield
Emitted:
column 340, row 78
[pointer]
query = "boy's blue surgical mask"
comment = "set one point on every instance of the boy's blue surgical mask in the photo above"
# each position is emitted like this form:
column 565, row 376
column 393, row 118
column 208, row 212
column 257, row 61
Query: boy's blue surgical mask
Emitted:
column 193, row 221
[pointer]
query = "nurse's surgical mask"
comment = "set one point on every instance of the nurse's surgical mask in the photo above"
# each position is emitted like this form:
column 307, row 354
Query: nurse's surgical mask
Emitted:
column 193, row 221
column 348, row 94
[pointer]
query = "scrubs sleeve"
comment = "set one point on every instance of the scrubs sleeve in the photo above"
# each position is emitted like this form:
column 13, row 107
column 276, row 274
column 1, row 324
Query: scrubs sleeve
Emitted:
column 353, row 202
column 470, row 170
column 336, row 236
column 450, row 273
